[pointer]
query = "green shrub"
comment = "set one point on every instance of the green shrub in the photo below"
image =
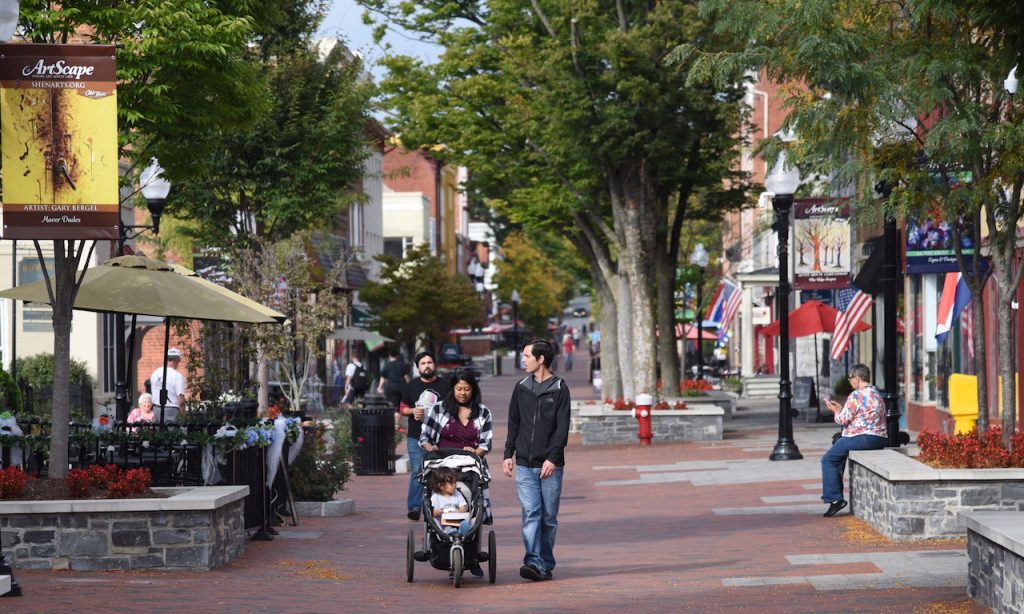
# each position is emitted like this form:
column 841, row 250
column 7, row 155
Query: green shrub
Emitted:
column 843, row 387
column 10, row 394
column 324, row 463
column 38, row 370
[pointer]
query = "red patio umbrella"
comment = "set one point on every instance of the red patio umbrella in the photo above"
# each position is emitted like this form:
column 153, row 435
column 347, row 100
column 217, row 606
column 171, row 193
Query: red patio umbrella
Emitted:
column 811, row 318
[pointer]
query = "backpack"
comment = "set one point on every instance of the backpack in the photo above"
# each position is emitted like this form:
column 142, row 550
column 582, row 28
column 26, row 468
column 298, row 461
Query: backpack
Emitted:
column 360, row 383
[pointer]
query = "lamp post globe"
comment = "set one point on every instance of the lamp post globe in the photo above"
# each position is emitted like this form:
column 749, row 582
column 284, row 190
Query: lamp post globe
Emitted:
column 699, row 257
column 782, row 182
column 155, row 189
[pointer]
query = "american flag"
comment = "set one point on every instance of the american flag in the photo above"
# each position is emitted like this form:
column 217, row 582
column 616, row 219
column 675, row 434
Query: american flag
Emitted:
column 732, row 305
column 852, row 305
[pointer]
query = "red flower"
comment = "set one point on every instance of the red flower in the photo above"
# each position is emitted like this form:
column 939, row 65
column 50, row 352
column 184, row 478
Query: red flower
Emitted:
column 360, row 439
column 104, row 420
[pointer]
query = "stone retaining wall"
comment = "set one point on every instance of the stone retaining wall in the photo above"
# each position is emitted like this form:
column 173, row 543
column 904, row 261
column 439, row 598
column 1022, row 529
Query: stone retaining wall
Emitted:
column 996, row 553
column 605, row 426
column 905, row 500
column 192, row 530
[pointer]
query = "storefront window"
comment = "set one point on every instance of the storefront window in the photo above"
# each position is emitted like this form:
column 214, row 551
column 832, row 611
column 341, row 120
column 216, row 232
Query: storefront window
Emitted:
column 931, row 362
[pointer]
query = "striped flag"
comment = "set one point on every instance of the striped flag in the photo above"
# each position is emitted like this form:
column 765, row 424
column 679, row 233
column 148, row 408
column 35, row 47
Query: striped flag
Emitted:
column 955, row 296
column 732, row 305
column 967, row 328
column 853, row 304
column 720, row 302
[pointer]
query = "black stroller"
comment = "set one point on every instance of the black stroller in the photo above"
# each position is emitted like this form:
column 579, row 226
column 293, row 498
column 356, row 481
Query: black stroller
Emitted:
column 451, row 552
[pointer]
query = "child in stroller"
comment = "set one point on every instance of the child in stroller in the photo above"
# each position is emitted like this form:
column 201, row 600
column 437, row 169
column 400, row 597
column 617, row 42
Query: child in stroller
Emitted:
column 451, row 540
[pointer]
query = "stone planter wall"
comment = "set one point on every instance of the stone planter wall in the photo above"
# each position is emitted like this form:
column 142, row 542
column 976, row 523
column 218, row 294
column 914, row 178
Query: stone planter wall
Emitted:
column 195, row 529
column 604, row 426
column 995, row 546
column 904, row 499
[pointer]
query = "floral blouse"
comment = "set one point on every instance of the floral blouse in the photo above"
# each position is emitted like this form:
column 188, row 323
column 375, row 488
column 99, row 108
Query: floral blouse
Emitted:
column 863, row 414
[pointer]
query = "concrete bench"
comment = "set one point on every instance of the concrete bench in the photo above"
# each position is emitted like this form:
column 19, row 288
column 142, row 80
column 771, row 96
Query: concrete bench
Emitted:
column 995, row 547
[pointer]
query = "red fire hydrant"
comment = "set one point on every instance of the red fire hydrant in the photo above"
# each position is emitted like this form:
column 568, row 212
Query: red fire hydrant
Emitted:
column 642, row 413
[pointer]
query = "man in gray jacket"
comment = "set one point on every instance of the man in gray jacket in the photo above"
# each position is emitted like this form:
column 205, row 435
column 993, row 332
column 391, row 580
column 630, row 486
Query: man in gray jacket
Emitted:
column 538, row 431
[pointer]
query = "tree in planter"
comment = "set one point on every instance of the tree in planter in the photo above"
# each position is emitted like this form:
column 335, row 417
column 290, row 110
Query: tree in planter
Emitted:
column 417, row 296
column 285, row 277
column 323, row 466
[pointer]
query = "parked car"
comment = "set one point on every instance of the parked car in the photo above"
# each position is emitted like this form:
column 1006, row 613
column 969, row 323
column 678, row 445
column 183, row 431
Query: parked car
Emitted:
column 580, row 312
column 450, row 355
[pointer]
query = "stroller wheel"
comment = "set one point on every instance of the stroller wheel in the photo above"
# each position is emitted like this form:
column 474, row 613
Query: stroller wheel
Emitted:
column 410, row 555
column 492, row 557
column 457, row 567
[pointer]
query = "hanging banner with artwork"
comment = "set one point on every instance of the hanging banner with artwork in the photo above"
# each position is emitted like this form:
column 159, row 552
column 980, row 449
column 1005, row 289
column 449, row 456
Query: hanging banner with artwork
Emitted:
column 821, row 243
column 58, row 108
column 930, row 245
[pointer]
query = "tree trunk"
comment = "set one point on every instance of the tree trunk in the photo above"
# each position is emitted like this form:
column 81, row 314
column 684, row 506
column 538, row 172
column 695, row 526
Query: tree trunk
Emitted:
column 667, row 354
column 611, row 375
column 623, row 330
column 632, row 219
column 263, row 377
column 980, row 360
column 1006, row 364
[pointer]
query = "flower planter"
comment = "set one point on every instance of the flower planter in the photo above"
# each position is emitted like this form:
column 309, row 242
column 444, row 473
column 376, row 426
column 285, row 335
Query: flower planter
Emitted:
column 904, row 499
column 995, row 546
column 599, row 424
column 325, row 509
column 195, row 529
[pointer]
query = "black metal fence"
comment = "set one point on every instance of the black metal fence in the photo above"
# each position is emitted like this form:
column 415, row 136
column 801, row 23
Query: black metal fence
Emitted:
column 38, row 400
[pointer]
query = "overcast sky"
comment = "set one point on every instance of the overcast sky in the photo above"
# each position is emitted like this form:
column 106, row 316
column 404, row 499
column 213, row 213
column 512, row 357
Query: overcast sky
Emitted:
column 344, row 20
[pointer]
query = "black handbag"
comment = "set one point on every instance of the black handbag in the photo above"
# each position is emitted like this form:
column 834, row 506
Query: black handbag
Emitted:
column 836, row 437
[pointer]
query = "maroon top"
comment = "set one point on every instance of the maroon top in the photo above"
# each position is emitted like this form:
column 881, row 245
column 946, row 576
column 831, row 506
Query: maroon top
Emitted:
column 455, row 435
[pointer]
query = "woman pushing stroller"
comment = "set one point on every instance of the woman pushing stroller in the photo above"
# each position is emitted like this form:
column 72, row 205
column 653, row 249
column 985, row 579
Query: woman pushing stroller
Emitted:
column 460, row 420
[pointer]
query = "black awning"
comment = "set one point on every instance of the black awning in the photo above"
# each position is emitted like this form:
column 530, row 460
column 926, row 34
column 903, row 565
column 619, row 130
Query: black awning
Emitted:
column 870, row 277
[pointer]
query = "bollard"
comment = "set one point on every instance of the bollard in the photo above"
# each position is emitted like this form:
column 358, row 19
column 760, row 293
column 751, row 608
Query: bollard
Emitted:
column 642, row 413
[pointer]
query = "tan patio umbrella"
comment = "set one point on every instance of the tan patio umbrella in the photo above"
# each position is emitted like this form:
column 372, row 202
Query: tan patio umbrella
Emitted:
column 137, row 285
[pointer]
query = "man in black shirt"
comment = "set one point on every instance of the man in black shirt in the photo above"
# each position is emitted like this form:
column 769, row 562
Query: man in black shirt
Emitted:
column 419, row 395
column 393, row 378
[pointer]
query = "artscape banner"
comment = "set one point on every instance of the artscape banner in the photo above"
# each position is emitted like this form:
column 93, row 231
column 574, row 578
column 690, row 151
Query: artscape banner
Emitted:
column 58, row 109
column 821, row 243
column 930, row 245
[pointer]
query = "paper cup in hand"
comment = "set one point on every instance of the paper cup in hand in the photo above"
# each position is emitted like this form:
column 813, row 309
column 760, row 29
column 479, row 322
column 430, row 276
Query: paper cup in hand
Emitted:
column 427, row 399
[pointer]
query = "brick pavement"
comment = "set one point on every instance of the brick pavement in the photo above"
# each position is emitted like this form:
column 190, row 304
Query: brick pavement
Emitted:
column 624, row 542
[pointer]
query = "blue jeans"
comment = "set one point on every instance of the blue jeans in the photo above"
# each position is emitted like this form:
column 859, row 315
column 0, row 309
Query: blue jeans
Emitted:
column 462, row 529
column 414, row 500
column 833, row 463
column 539, row 500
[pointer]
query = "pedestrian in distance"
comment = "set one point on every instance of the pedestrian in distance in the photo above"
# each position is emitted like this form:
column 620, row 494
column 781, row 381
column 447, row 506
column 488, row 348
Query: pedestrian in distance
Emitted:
column 393, row 378
column 357, row 380
column 569, row 349
column 538, row 431
column 863, row 420
column 169, row 411
column 419, row 395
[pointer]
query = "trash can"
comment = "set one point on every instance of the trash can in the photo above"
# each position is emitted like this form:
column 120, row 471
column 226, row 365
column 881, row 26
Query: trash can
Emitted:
column 496, row 357
column 373, row 434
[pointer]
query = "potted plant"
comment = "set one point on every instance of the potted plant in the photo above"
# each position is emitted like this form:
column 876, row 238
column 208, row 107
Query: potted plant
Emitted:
column 322, row 468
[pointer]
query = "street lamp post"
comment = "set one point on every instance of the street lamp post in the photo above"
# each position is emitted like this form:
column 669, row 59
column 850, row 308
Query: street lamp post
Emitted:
column 699, row 257
column 154, row 189
column 782, row 182
column 890, row 281
column 515, row 328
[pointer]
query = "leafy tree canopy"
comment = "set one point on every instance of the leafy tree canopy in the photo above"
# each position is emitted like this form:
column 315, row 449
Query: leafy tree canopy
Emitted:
column 543, row 284
column 418, row 297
